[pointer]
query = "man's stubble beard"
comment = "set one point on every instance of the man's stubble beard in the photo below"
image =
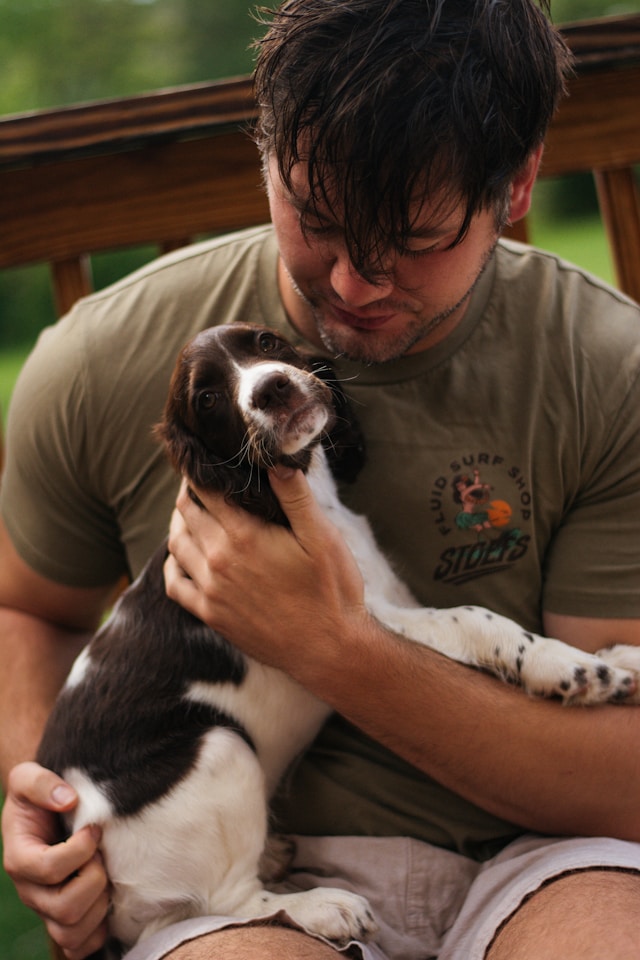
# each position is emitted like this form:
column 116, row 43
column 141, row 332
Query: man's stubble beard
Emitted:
column 376, row 346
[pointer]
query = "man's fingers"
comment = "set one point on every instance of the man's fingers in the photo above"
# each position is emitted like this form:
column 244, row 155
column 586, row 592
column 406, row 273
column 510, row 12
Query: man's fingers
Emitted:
column 30, row 858
column 30, row 783
column 181, row 588
column 31, row 832
column 292, row 489
column 75, row 912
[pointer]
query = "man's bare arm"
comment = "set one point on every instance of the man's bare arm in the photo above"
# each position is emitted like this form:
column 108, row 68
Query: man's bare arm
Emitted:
column 43, row 625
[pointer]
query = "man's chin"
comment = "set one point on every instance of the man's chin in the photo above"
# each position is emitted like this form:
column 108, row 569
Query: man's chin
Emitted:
column 370, row 346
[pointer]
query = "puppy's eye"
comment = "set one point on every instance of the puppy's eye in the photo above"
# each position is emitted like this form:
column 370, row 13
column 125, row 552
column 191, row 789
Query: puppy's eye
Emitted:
column 208, row 399
column 267, row 342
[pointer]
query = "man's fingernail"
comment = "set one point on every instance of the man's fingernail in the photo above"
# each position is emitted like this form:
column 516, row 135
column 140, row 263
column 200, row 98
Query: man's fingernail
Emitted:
column 96, row 832
column 62, row 795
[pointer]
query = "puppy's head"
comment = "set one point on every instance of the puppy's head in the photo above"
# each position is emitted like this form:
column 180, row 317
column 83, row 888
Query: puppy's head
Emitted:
column 242, row 400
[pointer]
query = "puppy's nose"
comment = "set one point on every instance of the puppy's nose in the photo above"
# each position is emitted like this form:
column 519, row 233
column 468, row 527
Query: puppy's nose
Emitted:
column 274, row 391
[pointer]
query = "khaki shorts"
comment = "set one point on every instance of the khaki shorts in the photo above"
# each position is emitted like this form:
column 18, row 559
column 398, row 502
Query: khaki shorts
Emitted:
column 429, row 903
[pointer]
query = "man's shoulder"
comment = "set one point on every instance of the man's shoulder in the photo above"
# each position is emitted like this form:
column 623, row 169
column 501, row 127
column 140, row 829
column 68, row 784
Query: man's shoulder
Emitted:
column 174, row 297
column 551, row 273
column 116, row 349
column 186, row 272
column 565, row 302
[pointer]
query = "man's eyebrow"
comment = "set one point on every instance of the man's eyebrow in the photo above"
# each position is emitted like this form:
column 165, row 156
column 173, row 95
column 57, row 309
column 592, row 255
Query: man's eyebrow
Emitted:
column 434, row 231
column 306, row 206
column 430, row 232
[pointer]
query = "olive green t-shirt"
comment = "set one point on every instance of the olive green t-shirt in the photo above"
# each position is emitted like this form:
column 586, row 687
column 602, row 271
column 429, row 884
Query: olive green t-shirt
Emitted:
column 503, row 469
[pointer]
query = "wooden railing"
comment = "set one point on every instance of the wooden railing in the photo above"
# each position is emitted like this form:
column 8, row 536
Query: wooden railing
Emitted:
column 172, row 165
column 161, row 168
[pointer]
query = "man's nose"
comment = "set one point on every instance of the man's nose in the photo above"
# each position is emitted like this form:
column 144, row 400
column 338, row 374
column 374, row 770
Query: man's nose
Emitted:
column 354, row 289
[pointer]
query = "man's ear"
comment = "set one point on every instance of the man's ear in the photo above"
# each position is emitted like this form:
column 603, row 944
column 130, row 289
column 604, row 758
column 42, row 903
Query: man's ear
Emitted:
column 522, row 186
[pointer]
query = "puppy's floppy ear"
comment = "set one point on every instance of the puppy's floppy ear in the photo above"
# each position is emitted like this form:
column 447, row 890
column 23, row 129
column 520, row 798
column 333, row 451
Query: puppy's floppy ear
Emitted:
column 181, row 445
column 344, row 443
column 189, row 456
column 186, row 452
column 242, row 485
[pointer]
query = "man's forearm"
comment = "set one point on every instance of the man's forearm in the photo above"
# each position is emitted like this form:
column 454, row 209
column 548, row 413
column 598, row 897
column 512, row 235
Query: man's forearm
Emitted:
column 36, row 657
column 553, row 769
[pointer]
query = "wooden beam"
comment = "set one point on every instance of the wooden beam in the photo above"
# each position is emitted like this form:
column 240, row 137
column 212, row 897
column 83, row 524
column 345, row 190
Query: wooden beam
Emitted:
column 597, row 125
column 620, row 206
column 71, row 280
column 109, row 126
column 196, row 187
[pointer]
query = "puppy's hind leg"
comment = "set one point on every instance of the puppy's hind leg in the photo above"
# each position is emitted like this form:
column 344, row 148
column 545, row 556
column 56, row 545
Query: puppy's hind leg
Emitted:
column 329, row 912
column 208, row 835
column 194, row 851
column 240, row 818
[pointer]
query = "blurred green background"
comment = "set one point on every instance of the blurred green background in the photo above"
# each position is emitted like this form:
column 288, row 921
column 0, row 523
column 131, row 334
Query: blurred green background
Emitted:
column 56, row 52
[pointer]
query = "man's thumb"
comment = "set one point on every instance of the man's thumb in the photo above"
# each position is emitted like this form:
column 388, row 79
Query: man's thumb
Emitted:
column 292, row 489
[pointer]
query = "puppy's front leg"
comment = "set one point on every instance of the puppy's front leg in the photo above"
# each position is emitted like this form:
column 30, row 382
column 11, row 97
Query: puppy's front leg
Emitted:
column 542, row 666
column 276, row 858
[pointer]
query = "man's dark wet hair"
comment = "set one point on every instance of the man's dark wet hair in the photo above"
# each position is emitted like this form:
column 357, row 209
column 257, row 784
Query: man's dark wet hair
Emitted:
column 393, row 101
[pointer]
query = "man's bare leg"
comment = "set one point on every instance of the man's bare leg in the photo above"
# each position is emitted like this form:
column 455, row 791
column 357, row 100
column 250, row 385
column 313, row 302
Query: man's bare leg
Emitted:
column 588, row 915
column 254, row 943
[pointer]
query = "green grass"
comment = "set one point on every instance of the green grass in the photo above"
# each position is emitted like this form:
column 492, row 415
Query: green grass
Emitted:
column 10, row 363
column 21, row 934
column 582, row 241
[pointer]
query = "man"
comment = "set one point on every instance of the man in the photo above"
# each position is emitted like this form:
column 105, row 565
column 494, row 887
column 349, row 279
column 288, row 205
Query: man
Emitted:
column 398, row 137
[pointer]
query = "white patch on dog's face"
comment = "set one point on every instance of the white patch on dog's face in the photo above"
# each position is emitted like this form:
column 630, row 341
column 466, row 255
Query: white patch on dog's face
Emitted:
column 281, row 402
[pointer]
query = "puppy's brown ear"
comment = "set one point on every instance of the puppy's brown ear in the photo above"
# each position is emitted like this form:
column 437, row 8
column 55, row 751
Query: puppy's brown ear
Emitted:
column 344, row 443
column 172, row 430
column 241, row 484
column 186, row 452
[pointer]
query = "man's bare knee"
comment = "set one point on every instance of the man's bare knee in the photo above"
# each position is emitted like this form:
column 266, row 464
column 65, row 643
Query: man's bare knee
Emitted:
column 585, row 915
column 254, row 943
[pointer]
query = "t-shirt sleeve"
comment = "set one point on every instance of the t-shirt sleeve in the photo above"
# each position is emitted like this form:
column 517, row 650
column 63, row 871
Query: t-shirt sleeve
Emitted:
column 53, row 512
column 592, row 567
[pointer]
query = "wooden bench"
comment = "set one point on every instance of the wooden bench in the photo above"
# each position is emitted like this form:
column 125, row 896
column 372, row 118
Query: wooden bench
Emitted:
column 171, row 166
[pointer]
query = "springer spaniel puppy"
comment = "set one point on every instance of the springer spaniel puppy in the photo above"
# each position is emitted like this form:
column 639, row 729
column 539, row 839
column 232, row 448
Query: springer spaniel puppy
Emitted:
column 174, row 739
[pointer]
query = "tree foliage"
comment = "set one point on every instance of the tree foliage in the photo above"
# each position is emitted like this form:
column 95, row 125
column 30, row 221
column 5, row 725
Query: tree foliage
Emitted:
column 57, row 52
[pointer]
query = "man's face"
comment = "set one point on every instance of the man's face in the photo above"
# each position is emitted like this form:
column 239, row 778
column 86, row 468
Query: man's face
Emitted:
column 419, row 299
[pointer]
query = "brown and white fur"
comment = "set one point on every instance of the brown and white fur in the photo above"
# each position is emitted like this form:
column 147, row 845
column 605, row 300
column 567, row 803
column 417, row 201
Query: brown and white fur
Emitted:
column 174, row 739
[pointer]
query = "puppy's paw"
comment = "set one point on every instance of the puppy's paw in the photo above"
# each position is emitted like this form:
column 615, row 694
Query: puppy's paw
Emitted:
column 336, row 915
column 554, row 669
column 626, row 659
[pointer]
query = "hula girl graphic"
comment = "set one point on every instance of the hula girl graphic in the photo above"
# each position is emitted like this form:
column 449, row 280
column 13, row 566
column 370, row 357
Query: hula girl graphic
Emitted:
column 478, row 511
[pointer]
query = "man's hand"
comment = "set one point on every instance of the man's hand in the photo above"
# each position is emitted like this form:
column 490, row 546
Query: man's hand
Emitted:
column 64, row 883
column 268, row 589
